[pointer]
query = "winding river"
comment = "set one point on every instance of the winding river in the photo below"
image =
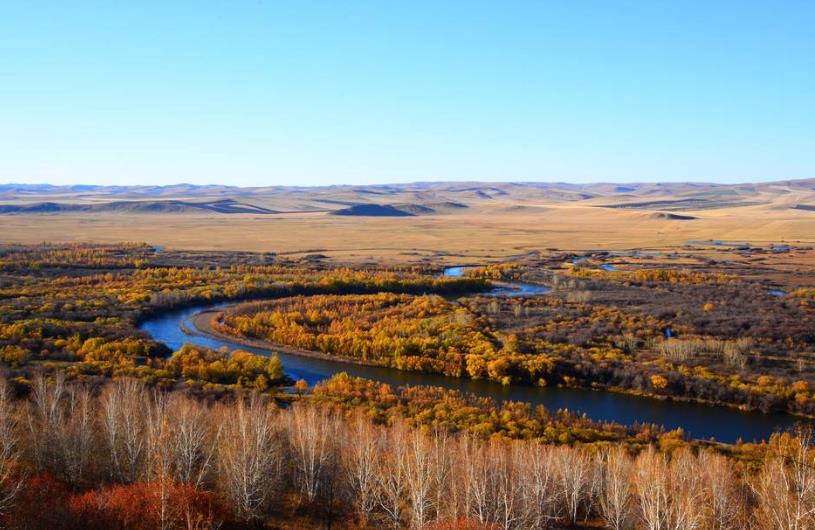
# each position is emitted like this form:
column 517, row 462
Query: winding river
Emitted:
column 698, row 420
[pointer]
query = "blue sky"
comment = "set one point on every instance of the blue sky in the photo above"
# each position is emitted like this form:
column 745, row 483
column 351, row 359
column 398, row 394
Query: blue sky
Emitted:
column 313, row 93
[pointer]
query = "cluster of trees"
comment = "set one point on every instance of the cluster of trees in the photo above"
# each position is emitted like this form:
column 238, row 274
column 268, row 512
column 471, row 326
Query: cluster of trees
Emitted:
column 435, row 407
column 426, row 333
column 710, row 330
column 539, row 341
column 80, row 304
column 554, row 320
column 675, row 276
column 92, row 256
column 432, row 334
column 193, row 366
column 806, row 297
column 224, row 367
column 132, row 458
column 499, row 271
column 33, row 343
column 106, row 340
column 422, row 333
column 603, row 345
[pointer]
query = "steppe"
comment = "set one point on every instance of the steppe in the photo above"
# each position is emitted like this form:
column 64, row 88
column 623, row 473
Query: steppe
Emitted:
column 413, row 222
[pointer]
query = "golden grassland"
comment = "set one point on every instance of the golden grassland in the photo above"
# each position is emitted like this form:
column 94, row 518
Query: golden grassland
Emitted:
column 495, row 230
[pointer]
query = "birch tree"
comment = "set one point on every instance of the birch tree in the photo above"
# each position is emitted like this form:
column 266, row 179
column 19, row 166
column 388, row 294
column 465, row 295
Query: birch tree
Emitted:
column 250, row 456
column 10, row 481
column 616, row 498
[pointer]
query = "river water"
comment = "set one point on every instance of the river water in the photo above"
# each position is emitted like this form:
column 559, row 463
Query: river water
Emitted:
column 698, row 420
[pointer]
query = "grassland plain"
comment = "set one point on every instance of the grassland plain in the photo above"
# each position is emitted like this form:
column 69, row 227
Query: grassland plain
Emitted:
column 477, row 221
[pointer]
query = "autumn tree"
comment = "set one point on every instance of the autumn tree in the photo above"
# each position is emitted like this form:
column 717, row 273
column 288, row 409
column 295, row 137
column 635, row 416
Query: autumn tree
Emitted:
column 124, row 428
column 10, row 482
column 250, row 456
column 785, row 485
column 313, row 437
column 362, row 453
column 617, row 497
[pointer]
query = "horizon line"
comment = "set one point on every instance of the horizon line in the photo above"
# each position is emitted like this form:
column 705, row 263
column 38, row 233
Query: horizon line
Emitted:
column 417, row 182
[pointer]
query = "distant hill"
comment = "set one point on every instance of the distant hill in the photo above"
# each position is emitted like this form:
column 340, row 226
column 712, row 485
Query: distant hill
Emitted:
column 435, row 219
column 447, row 205
column 672, row 216
column 398, row 209
column 410, row 199
column 373, row 210
column 463, row 189
column 226, row 206
column 682, row 204
column 415, row 209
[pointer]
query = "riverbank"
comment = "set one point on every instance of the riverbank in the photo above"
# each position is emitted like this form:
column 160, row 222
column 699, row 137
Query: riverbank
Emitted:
column 202, row 324
column 698, row 421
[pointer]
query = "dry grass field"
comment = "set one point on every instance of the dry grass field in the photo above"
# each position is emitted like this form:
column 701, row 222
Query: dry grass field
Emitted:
column 441, row 221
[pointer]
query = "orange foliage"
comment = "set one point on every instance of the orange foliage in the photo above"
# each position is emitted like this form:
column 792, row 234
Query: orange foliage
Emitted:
column 132, row 506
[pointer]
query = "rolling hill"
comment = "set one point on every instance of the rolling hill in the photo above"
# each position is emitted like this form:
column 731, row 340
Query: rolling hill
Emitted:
column 455, row 220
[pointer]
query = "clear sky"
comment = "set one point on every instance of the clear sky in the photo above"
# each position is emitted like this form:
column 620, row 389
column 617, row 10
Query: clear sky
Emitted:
column 302, row 93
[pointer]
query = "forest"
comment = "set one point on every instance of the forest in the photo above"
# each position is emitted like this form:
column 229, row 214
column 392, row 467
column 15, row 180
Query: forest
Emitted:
column 75, row 308
column 114, row 429
column 687, row 325
column 127, row 456
column 554, row 340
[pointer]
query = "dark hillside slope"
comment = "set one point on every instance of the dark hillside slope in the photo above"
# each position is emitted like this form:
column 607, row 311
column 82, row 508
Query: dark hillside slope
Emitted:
column 227, row 206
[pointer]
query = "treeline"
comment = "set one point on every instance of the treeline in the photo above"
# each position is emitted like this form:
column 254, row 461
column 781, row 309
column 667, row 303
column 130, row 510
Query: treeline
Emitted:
column 453, row 411
column 92, row 256
column 655, row 275
column 194, row 366
column 499, row 271
column 133, row 458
